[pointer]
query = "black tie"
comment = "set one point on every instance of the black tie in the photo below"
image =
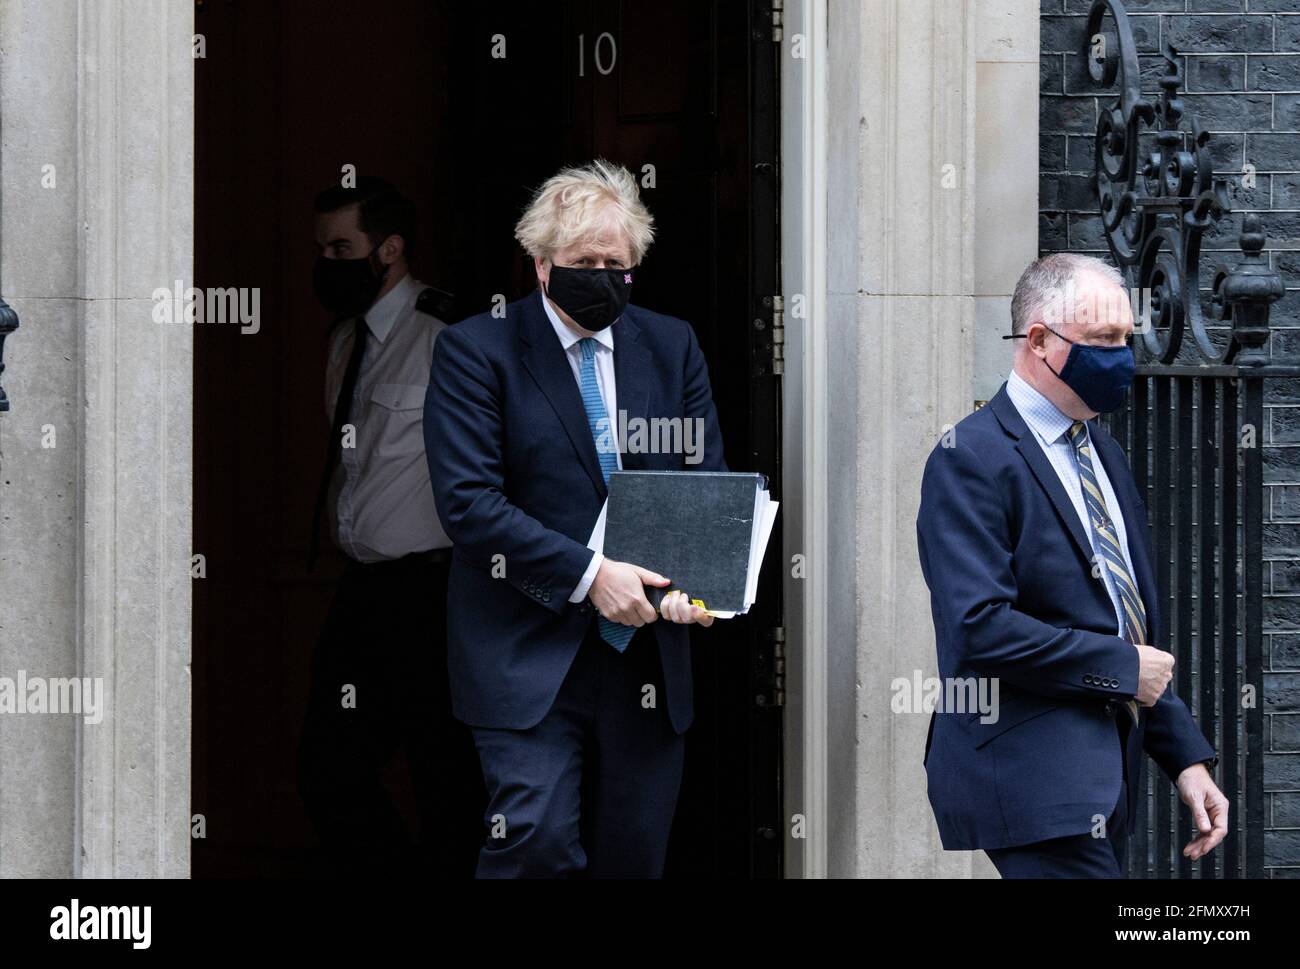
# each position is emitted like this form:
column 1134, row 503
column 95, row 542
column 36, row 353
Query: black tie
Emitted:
column 334, row 446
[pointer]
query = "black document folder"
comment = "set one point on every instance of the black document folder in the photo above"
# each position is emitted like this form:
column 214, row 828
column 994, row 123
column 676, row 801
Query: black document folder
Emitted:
column 705, row 531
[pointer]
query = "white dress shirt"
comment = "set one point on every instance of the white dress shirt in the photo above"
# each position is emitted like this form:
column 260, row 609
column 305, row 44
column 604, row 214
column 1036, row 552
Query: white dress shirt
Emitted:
column 1049, row 427
column 605, row 380
column 381, row 501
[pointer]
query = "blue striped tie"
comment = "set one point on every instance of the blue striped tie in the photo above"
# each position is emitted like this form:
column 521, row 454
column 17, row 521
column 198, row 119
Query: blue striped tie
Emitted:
column 614, row 633
column 1107, row 544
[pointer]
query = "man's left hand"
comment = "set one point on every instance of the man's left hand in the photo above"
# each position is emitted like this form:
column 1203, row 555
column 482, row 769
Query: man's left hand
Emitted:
column 1209, row 810
column 676, row 607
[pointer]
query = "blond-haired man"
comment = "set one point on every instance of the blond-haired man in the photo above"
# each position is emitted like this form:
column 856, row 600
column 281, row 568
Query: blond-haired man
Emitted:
column 577, row 691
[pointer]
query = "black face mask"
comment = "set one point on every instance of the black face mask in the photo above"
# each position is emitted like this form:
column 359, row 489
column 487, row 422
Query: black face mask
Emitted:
column 347, row 287
column 593, row 298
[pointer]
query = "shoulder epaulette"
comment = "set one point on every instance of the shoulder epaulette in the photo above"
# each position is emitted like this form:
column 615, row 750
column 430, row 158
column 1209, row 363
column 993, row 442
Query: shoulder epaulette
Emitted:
column 436, row 302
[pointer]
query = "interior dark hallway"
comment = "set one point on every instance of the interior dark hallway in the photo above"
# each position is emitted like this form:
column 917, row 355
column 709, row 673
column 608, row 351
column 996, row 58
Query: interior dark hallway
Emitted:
column 684, row 94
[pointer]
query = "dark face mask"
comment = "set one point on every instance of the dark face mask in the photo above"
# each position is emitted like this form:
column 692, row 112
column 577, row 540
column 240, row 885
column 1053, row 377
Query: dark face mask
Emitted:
column 593, row 298
column 348, row 287
column 1101, row 376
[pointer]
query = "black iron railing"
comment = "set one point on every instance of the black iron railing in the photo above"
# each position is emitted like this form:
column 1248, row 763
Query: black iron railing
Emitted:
column 1193, row 428
column 8, row 323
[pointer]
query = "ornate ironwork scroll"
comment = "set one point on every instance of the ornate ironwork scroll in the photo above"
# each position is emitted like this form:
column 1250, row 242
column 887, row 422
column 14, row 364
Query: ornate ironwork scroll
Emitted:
column 8, row 323
column 1191, row 428
column 1157, row 204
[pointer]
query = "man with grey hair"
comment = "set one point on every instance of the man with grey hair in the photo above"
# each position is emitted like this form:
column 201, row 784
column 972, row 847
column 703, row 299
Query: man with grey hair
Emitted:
column 1034, row 542
column 577, row 697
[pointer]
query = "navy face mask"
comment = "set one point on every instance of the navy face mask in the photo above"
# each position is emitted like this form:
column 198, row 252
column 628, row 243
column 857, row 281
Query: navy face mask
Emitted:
column 1101, row 376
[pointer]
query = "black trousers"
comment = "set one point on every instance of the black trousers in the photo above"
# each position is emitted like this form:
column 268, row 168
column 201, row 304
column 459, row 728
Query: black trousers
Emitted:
column 1078, row 855
column 379, row 683
column 590, row 791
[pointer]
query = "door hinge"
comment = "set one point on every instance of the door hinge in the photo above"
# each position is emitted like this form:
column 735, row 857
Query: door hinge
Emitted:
column 778, row 8
column 778, row 665
column 778, row 335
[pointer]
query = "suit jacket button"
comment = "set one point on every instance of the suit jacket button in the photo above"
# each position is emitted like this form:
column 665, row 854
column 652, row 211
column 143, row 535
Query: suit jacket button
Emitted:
column 1088, row 678
column 546, row 597
column 1110, row 708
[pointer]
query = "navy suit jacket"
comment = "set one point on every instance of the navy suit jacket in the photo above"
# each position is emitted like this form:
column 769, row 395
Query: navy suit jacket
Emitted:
column 1014, row 596
column 517, row 483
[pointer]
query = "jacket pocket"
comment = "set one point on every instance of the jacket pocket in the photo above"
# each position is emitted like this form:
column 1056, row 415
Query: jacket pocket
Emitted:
column 1015, row 711
column 398, row 396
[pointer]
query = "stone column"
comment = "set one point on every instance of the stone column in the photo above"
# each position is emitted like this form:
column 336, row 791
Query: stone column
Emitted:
column 1006, row 176
column 96, row 188
column 906, row 315
column 923, row 168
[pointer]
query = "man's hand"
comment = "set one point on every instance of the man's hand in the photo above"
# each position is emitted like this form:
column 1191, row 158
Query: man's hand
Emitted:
column 677, row 607
column 1209, row 810
column 618, row 592
column 1155, row 670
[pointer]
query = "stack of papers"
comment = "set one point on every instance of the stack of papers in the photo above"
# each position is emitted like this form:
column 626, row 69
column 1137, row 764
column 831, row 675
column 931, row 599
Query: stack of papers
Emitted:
column 706, row 531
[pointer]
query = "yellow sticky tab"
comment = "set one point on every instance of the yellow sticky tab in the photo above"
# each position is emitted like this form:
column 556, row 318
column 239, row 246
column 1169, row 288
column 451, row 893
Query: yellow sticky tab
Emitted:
column 694, row 602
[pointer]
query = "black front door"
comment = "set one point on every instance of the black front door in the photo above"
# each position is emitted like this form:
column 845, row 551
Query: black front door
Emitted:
column 684, row 94
column 467, row 107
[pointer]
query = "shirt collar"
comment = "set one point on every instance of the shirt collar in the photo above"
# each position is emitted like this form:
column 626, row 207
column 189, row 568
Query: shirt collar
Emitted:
column 381, row 317
column 567, row 337
column 1042, row 416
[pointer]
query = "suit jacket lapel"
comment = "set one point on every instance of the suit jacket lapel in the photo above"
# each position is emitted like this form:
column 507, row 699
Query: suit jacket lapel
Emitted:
column 545, row 361
column 631, row 380
column 1029, row 448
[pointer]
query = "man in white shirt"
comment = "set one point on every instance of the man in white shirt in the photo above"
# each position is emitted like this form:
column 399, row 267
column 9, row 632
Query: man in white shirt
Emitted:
column 379, row 676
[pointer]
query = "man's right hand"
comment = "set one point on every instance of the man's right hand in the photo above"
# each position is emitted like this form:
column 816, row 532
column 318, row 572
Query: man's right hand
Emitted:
column 618, row 592
column 1155, row 670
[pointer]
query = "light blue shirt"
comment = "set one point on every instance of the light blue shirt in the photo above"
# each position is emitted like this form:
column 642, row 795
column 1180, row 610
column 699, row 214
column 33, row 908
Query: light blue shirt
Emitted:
column 1049, row 427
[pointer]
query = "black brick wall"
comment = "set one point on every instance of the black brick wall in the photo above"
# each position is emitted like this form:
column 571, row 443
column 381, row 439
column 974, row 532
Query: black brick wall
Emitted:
column 1241, row 64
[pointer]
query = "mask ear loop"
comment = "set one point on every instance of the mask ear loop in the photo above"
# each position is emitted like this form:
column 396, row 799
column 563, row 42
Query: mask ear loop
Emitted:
column 546, row 289
column 546, row 286
column 1025, row 336
column 383, row 269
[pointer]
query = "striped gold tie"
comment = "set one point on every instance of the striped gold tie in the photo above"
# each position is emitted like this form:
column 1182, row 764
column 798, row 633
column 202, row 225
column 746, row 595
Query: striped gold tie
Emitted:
column 1107, row 544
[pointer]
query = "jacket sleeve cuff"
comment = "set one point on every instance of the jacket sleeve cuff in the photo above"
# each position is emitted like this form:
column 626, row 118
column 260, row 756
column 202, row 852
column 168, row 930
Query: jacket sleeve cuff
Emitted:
column 1189, row 756
column 588, row 577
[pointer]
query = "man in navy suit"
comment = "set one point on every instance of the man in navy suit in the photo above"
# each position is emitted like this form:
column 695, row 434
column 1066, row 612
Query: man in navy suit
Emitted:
column 578, row 698
column 1034, row 542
